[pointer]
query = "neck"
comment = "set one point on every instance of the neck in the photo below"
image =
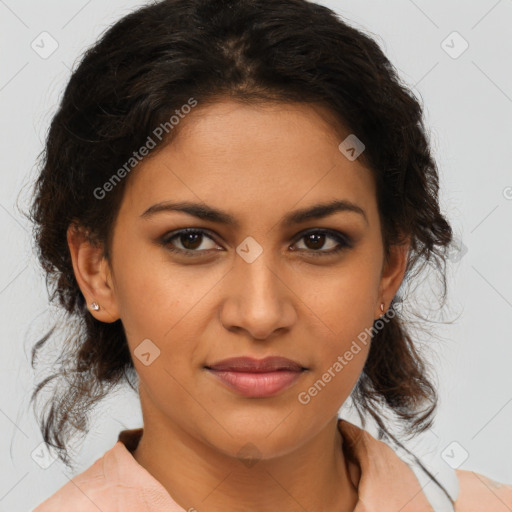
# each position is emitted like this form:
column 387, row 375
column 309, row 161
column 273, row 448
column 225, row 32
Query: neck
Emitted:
column 199, row 477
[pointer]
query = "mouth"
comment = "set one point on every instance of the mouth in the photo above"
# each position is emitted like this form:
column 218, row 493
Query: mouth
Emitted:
column 249, row 364
column 257, row 378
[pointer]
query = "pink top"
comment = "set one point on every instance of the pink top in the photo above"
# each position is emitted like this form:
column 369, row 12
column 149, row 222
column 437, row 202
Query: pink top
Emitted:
column 116, row 482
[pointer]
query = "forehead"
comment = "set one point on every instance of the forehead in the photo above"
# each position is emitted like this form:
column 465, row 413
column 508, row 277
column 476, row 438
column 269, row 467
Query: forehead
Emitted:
column 263, row 157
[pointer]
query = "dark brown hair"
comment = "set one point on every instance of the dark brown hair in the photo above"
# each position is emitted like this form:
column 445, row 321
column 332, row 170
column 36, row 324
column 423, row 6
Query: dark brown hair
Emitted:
column 148, row 65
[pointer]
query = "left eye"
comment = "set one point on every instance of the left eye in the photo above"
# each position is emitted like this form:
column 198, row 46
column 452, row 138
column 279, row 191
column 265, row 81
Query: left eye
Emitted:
column 191, row 241
column 317, row 239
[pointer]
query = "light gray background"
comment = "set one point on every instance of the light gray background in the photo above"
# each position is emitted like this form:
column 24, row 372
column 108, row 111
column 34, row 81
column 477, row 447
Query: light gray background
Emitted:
column 468, row 109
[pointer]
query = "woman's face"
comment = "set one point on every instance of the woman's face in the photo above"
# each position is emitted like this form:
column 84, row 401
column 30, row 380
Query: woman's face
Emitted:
column 264, row 284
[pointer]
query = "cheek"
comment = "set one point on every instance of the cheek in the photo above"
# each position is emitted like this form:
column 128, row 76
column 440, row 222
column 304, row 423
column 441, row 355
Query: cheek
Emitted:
column 169, row 308
column 342, row 309
column 339, row 358
column 154, row 295
column 343, row 302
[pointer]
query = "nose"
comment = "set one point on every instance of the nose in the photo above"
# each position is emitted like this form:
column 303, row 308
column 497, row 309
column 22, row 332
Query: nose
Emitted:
column 258, row 299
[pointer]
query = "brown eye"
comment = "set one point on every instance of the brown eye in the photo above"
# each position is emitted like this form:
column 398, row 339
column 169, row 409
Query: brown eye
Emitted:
column 191, row 241
column 314, row 241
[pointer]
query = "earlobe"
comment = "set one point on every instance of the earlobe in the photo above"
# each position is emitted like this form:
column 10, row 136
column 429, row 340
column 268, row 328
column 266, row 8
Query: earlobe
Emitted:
column 393, row 272
column 92, row 273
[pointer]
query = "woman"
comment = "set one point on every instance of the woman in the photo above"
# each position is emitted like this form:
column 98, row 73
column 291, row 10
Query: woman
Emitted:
column 233, row 192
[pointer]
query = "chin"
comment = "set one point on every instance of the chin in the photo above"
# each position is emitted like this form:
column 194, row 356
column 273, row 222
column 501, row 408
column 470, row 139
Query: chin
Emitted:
column 258, row 440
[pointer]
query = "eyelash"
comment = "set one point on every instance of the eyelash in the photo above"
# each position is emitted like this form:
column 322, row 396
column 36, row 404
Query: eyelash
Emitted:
column 343, row 240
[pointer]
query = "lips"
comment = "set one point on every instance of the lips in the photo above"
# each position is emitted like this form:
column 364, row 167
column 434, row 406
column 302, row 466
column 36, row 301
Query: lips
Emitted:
column 256, row 378
column 248, row 364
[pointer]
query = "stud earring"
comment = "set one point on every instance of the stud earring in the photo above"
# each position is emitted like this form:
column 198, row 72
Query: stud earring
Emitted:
column 94, row 306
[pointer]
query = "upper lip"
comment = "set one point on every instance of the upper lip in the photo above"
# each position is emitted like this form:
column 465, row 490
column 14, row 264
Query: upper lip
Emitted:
column 249, row 364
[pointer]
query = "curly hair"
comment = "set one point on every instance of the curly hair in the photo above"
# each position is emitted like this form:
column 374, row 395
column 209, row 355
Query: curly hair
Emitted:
column 144, row 68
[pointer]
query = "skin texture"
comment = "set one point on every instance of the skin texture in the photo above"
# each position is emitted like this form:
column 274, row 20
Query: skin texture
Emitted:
column 257, row 163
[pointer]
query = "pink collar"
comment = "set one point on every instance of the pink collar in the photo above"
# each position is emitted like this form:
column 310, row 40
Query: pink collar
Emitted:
column 386, row 483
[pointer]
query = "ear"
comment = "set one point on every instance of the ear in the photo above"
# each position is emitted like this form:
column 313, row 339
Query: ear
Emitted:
column 392, row 275
column 93, row 274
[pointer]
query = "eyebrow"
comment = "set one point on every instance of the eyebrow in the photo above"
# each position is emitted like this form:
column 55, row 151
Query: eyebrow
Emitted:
column 205, row 212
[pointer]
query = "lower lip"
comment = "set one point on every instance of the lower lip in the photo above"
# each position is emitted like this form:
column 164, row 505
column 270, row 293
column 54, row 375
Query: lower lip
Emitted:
column 257, row 385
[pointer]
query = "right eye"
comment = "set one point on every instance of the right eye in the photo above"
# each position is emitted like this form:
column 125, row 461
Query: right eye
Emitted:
column 191, row 239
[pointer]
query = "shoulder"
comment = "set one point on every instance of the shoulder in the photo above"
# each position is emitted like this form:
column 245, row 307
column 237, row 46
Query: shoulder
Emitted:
column 388, row 471
column 478, row 493
column 114, row 482
column 80, row 493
